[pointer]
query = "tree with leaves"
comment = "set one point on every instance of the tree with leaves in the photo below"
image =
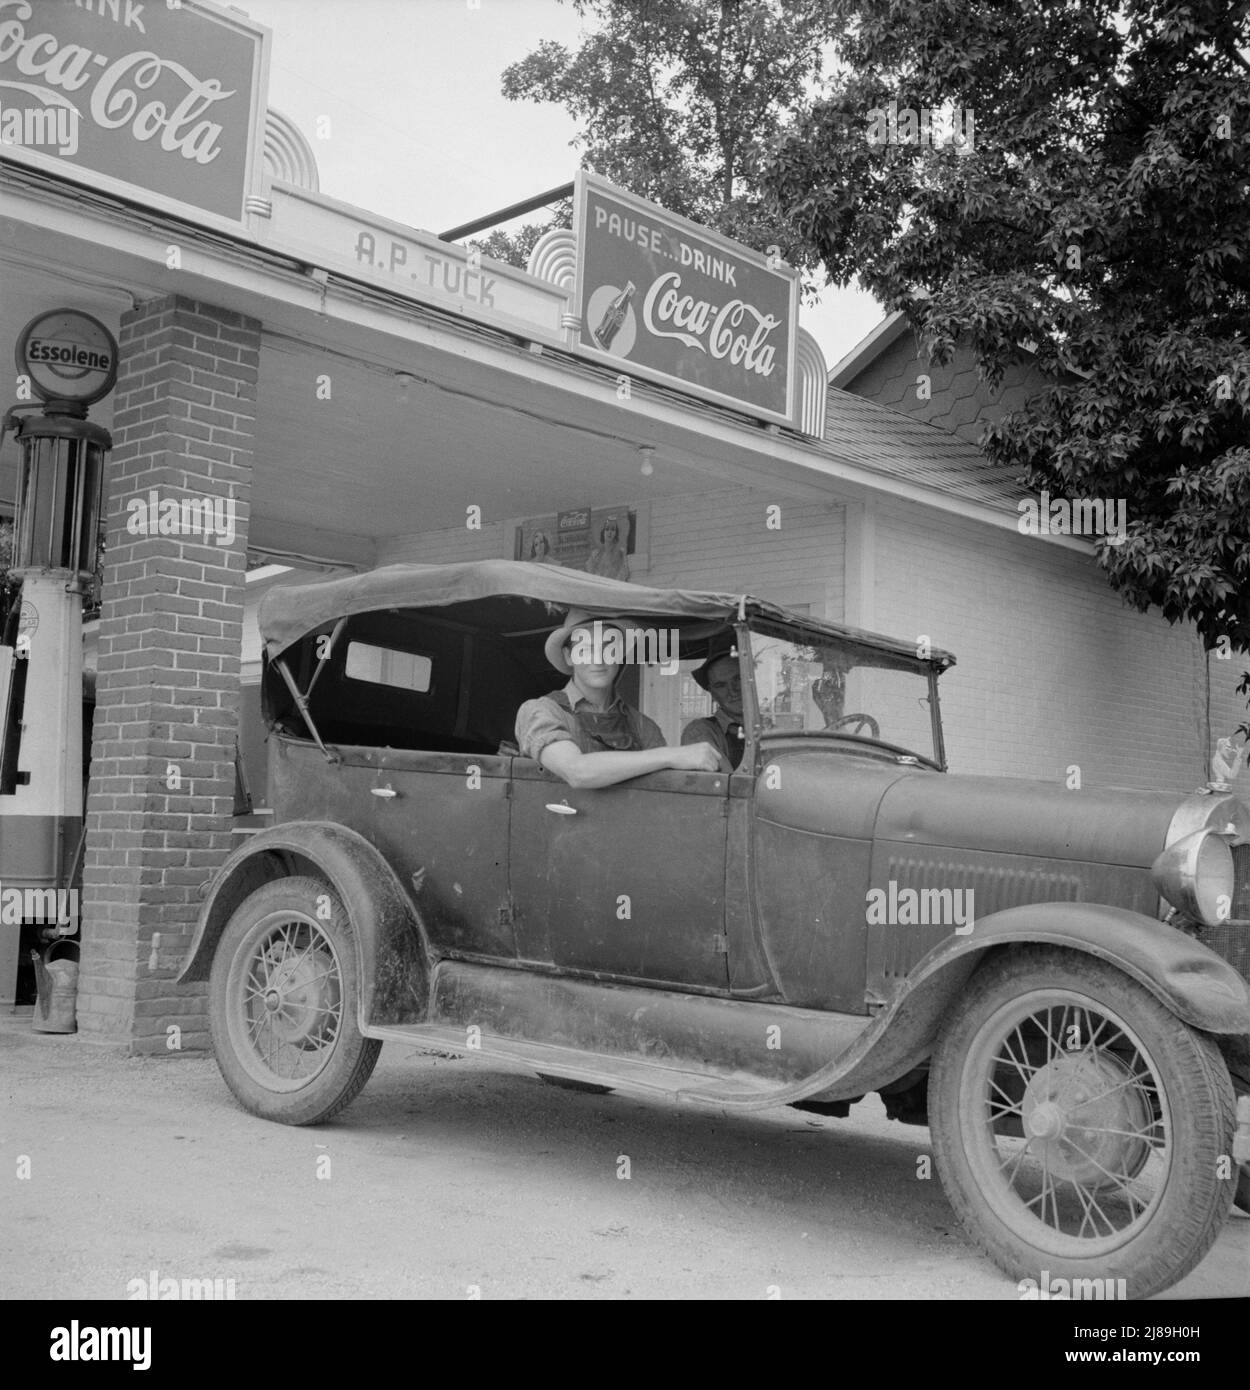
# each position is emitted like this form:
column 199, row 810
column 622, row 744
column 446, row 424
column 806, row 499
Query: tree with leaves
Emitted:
column 1098, row 219
column 681, row 101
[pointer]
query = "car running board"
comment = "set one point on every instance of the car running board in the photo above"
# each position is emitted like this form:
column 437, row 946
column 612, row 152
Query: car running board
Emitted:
column 601, row 1070
column 698, row 1048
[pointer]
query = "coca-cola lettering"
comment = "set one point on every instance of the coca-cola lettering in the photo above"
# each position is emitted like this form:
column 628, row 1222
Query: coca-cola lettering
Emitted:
column 112, row 108
column 752, row 353
column 694, row 320
column 115, row 100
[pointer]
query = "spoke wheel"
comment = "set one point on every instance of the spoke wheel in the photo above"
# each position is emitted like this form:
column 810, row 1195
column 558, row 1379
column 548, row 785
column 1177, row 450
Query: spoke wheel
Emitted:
column 1073, row 1126
column 283, row 1002
column 1079, row 1123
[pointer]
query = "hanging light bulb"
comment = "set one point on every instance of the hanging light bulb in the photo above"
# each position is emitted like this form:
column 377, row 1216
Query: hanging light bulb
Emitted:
column 647, row 467
column 405, row 380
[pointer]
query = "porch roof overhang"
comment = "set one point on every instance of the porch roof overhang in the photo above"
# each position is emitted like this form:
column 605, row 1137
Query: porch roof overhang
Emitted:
column 428, row 414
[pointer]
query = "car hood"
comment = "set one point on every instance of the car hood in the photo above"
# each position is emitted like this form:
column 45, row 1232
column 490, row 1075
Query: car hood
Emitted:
column 826, row 791
column 1008, row 815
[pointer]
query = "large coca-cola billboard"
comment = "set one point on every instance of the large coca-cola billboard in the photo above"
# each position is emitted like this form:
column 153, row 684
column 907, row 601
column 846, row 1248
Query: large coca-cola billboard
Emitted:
column 147, row 99
column 669, row 299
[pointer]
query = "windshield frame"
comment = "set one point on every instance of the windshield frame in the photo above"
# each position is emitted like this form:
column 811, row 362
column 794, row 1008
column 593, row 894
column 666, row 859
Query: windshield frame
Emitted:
column 798, row 633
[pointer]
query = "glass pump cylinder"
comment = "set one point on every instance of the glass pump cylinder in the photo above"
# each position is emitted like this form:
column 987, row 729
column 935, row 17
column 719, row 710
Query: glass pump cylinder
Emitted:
column 59, row 491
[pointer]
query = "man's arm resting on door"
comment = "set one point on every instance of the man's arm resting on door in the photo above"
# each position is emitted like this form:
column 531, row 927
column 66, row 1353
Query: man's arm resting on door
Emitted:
column 580, row 769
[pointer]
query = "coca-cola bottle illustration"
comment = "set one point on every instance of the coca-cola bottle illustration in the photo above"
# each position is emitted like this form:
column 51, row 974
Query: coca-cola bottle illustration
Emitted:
column 614, row 317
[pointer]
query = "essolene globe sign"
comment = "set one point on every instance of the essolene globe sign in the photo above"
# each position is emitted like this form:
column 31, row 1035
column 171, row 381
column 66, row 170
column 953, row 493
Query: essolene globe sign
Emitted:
column 68, row 356
column 671, row 300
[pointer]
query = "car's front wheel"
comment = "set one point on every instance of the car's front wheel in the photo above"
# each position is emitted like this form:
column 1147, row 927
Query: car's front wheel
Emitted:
column 283, row 998
column 1082, row 1130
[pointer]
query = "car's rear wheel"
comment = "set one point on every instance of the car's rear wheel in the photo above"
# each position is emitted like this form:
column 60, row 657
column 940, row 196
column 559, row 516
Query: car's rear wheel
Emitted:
column 1079, row 1125
column 283, row 996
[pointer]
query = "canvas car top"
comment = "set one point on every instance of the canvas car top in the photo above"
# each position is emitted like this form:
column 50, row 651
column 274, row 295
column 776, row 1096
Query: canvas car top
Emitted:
column 289, row 612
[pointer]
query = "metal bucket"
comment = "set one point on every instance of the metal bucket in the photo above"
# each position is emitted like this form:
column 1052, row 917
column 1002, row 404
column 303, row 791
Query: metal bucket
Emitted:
column 57, row 1006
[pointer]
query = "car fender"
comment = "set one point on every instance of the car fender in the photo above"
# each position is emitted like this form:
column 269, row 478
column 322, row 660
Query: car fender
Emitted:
column 392, row 952
column 1201, row 988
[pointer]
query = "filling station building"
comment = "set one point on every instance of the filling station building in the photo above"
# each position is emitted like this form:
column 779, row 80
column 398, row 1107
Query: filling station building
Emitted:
column 305, row 389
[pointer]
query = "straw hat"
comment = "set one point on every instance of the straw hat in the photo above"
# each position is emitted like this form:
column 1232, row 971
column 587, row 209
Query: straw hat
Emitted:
column 575, row 618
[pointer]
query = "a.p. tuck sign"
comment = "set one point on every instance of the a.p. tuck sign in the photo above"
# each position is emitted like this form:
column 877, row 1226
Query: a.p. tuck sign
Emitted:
column 158, row 101
column 669, row 299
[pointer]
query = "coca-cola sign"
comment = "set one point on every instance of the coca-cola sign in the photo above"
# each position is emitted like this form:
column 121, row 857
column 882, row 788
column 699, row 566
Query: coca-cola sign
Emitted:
column 669, row 299
column 149, row 99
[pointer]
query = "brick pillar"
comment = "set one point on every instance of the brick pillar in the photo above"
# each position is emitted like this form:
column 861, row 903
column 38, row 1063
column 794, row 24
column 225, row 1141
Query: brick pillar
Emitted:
column 167, row 691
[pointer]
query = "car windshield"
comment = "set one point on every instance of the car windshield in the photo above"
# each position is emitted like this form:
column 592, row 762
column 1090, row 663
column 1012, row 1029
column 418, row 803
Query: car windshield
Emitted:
column 809, row 683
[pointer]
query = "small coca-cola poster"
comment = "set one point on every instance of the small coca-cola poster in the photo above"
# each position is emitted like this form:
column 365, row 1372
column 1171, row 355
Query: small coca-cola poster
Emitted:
column 599, row 540
column 669, row 299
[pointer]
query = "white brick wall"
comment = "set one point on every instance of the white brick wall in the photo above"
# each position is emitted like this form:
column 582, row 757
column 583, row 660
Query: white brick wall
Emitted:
column 713, row 540
column 1053, row 668
column 721, row 540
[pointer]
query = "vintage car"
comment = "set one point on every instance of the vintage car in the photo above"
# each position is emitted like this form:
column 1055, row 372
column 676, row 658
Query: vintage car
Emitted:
column 1052, row 979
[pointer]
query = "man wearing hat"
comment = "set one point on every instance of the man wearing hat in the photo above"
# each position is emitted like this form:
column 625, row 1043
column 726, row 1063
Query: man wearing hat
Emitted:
column 585, row 733
column 720, row 677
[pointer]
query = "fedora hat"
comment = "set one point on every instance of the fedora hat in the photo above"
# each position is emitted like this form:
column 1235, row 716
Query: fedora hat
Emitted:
column 702, row 674
column 575, row 618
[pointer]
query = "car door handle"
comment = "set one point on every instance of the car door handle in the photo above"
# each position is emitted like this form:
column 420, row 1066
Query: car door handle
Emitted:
column 386, row 792
column 562, row 808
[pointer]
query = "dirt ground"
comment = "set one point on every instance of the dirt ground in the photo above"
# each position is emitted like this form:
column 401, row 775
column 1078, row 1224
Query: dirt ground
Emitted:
column 453, row 1178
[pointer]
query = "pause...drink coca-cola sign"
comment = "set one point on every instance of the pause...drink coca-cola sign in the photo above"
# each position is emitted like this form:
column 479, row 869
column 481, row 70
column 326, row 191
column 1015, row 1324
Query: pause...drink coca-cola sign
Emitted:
column 669, row 299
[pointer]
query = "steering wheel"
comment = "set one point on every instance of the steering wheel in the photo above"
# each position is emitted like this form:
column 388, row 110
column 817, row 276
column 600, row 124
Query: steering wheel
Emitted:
column 859, row 720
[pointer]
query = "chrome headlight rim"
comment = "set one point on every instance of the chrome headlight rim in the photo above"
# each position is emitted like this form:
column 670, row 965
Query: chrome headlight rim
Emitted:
column 1196, row 874
column 1226, row 813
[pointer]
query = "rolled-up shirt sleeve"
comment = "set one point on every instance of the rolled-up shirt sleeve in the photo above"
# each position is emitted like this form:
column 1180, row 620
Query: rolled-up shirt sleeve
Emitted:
column 539, row 724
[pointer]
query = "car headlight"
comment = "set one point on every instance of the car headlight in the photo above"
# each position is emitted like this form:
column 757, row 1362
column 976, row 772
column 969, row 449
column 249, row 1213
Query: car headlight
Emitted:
column 1196, row 874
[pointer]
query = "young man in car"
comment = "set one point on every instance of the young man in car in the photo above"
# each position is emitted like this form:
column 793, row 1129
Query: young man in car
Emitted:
column 721, row 678
column 586, row 733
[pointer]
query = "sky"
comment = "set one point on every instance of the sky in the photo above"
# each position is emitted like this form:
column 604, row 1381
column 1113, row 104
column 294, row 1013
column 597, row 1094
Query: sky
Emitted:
column 418, row 130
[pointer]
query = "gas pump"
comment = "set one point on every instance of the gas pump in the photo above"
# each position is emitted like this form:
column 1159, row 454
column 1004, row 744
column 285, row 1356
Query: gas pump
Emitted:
column 69, row 360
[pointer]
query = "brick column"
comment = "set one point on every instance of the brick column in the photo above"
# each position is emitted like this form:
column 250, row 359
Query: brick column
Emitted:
column 167, row 690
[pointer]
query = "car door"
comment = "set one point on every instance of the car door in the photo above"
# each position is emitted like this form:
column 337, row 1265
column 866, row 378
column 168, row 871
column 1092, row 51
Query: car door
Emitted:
column 627, row 881
column 443, row 817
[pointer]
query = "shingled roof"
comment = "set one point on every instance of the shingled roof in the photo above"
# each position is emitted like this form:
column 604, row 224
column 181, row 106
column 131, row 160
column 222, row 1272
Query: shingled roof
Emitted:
column 899, row 446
